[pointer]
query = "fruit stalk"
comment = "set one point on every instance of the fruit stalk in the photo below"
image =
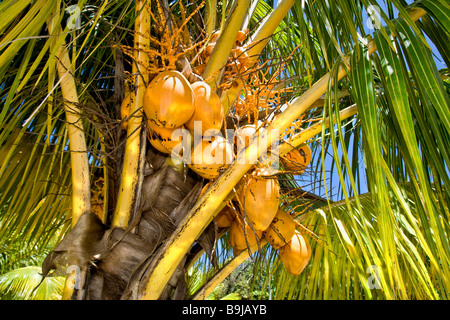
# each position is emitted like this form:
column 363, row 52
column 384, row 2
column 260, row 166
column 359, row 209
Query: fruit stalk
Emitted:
column 130, row 171
column 81, row 189
column 222, row 49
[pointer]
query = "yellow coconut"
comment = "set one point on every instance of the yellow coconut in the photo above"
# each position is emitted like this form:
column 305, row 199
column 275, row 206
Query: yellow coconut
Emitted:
column 296, row 254
column 225, row 217
column 210, row 158
column 161, row 137
column 298, row 159
column 208, row 109
column 239, row 238
column 280, row 230
column 169, row 100
column 260, row 198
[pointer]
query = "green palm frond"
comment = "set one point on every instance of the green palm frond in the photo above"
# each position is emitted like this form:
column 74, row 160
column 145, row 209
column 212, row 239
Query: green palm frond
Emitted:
column 20, row 284
column 334, row 274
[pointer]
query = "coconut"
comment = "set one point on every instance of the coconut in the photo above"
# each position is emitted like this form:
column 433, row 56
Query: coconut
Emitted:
column 169, row 100
column 280, row 230
column 208, row 109
column 296, row 254
column 239, row 239
column 210, row 158
column 161, row 138
column 298, row 159
column 225, row 217
column 260, row 198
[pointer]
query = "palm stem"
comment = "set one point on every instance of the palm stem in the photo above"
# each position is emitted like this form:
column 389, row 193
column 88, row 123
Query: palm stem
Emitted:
column 81, row 191
column 303, row 136
column 211, row 16
column 130, row 172
column 225, row 42
column 268, row 26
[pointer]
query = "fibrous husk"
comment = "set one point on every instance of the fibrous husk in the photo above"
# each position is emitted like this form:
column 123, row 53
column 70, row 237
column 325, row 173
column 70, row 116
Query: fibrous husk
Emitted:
column 113, row 261
column 207, row 241
column 124, row 252
column 79, row 247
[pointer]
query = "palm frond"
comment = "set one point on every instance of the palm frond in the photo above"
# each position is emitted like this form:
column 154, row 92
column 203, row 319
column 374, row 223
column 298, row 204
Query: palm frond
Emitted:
column 20, row 284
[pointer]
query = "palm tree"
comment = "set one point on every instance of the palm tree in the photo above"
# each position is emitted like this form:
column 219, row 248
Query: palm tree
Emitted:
column 367, row 98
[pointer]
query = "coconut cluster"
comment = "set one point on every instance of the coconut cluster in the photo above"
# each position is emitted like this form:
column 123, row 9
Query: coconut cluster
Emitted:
column 170, row 103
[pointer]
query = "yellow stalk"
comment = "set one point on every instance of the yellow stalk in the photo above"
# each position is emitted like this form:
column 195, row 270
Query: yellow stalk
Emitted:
column 126, row 197
column 259, row 39
column 225, row 42
column 206, row 290
column 211, row 17
column 205, row 209
column 81, row 191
